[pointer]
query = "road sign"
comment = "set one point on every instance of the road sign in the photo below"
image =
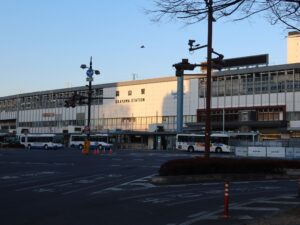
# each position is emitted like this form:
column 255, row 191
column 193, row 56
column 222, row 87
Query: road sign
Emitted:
column 89, row 72
column 89, row 79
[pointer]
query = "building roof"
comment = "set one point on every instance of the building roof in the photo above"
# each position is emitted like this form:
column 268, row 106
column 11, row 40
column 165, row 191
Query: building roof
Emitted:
column 228, row 72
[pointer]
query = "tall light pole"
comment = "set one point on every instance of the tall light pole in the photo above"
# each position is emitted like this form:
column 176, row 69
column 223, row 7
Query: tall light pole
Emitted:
column 90, row 72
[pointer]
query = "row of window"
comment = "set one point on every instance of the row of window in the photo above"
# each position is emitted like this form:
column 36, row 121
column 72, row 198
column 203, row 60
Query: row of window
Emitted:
column 129, row 93
column 254, row 83
column 49, row 100
column 233, row 115
column 111, row 121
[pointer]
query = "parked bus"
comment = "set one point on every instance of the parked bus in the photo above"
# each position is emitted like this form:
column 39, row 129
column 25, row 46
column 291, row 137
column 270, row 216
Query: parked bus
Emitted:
column 42, row 141
column 196, row 142
column 99, row 141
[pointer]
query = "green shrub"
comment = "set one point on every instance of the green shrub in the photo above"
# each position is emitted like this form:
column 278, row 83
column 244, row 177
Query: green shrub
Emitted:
column 226, row 166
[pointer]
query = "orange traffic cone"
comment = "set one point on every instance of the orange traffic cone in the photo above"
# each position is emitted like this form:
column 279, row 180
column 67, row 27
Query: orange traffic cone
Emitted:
column 103, row 151
column 110, row 150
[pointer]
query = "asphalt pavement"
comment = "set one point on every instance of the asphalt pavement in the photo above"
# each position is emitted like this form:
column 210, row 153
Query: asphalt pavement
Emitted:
column 65, row 187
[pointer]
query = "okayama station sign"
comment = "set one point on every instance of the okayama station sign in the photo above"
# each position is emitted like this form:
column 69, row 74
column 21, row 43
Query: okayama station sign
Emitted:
column 129, row 100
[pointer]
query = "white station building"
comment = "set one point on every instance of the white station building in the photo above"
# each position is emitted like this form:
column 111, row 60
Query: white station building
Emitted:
column 254, row 98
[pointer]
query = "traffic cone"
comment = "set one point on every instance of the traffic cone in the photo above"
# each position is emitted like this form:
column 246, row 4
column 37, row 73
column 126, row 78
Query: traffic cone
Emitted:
column 103, row 151
column 110, row 150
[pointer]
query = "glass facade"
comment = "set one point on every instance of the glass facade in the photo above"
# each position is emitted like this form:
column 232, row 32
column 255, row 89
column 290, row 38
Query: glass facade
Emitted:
column 254, row 83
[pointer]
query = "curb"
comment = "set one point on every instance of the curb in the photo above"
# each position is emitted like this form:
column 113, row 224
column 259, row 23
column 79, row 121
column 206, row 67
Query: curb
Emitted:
column 190, row 179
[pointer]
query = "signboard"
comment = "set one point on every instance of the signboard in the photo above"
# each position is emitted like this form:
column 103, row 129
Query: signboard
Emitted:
column 89, row 79
column 246, row 61
column 296, row 152
column 257, row 151
column 276, row 152
column 289, row 152
column 48, row 114
column 241, row 151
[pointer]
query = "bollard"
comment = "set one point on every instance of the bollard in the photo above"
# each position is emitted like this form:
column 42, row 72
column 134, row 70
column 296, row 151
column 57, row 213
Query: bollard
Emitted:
column 226, row 200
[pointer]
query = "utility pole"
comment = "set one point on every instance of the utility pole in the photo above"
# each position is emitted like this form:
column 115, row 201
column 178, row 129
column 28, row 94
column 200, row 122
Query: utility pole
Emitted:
column 212, row 63
column 208, row 79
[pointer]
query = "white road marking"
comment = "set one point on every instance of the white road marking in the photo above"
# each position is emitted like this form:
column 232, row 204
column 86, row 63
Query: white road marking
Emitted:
column 255, row 208
column 280, row 202
column 156, row 200
column 198, row 214
column 54, row 183
column 123, row 184
column 40, row 190
column 9, row 177
column 209, row 216
column 191, row 200
column 214, row 215
column 245, row 217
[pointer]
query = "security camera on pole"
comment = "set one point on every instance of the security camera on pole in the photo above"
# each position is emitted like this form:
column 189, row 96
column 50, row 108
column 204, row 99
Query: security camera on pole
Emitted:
column 90, row 72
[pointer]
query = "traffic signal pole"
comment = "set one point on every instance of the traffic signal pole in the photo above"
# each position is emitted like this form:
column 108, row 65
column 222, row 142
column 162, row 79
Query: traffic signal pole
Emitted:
column 90, row 72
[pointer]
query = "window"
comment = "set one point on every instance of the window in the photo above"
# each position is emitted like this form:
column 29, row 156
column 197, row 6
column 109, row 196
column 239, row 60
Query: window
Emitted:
column 129, row 93
column 143, row 91
column 117, row 93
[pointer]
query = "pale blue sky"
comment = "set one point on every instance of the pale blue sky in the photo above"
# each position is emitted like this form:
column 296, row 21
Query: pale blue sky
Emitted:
column 43, row 42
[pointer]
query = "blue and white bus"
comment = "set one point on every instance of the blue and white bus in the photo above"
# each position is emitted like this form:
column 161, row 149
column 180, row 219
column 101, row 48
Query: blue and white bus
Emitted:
column 100, row 141
column 42, row 141
column 196, row 142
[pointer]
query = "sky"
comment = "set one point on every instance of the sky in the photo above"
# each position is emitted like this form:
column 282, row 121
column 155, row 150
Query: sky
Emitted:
column 44, row 42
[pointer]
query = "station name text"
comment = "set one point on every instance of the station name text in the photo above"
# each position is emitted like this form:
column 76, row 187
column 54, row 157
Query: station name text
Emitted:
column 130, row 100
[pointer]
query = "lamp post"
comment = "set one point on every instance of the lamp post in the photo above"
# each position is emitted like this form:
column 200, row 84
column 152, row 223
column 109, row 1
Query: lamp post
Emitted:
column 90, row 72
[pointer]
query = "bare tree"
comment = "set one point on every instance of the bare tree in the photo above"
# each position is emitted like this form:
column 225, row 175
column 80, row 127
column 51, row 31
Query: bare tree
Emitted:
column 286, row 12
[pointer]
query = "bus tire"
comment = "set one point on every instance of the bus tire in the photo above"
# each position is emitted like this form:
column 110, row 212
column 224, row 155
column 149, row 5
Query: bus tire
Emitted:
column 218, row 150
column 29, row 147
column 191, row 149
column 80, row 147
column 46, row 147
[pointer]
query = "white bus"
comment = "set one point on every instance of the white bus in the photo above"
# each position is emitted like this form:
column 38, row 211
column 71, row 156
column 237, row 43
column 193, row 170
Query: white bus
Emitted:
column 42, row 141
column 99, row 141
column 196, row 142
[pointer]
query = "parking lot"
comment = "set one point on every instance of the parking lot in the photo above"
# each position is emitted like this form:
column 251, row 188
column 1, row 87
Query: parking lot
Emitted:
column 66, row 187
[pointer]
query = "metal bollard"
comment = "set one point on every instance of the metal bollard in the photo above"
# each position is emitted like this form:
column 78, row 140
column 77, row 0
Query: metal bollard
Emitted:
column 226, row 200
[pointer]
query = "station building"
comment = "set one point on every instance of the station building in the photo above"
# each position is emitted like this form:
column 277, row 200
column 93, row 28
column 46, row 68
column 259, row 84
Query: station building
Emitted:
column 251, row 98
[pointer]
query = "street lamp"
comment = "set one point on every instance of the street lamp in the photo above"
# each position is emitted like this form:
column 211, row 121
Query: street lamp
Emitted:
column 90, row 72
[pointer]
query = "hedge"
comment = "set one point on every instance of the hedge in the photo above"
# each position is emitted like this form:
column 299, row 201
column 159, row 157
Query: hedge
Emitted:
column 196, row 166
